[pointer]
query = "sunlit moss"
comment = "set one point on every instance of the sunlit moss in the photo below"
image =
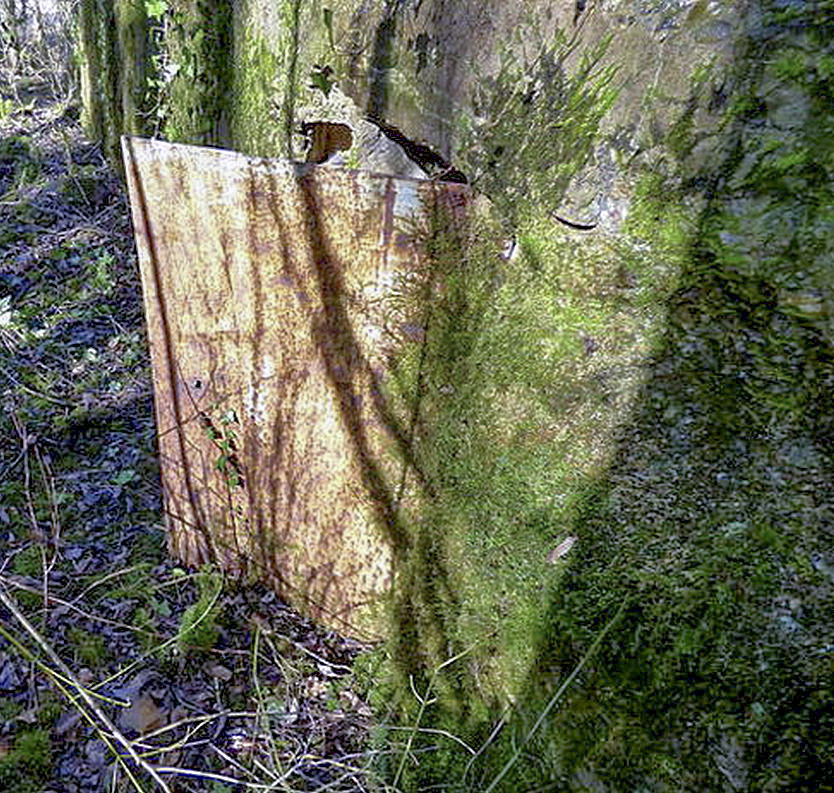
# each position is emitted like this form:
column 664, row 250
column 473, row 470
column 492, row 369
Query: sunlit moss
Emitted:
column 252, row 99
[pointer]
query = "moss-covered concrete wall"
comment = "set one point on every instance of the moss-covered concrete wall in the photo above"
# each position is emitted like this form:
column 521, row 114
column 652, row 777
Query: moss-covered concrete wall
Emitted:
column 626, row 579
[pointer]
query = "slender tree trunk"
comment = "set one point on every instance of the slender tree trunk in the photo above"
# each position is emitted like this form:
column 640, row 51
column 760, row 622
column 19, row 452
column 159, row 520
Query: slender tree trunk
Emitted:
column 131, row 21
column 90, row 70
column 110, row 82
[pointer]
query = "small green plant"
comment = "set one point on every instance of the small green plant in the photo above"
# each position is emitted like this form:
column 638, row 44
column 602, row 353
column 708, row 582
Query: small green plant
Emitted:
column 28, row 763
column 156, row 9
column 321, row 79
column 90, row 649
column 145, row 624
column 29, row 562
column 101, row 272
column 199, row 630
column 223, row 435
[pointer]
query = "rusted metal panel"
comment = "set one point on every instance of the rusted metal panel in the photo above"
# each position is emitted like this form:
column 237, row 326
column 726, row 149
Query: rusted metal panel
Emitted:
column 267, row 288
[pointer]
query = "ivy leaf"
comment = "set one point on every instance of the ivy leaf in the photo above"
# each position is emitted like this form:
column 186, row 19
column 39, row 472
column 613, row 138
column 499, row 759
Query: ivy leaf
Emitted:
column 124, row 476
column 156, row 8
column 320, row 77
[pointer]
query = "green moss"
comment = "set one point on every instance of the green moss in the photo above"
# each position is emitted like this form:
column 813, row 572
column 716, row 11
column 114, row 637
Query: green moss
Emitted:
column 790, row 65
column 291, row 70
column 701, row 673
column 9, row 709
column 197, row 43
column 52, row 705
column 28, row 764
column 107, row 81
column 253, row 97
column 131, row 22
column 276, row 69
column 29, row 562
column 533, row 124
column 90, row 649
column 199, row 630
column 504, row 364
column 825, row 67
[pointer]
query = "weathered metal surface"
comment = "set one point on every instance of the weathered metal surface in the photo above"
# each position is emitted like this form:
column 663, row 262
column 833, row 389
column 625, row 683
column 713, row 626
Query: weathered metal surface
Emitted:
column 266, row 287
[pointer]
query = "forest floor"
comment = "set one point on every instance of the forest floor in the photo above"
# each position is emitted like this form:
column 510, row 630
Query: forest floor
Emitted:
column 119, row 669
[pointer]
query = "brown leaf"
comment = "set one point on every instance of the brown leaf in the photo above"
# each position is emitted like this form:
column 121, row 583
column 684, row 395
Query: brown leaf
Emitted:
column 219, row 671
column 143, row 716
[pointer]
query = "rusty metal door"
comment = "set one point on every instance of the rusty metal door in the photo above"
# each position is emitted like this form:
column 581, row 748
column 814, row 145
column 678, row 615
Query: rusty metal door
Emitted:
column 269, row 290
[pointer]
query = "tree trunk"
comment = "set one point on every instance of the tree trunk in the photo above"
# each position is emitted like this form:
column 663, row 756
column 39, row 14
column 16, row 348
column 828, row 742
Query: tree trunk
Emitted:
column 131, row 22
column 93, row 109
